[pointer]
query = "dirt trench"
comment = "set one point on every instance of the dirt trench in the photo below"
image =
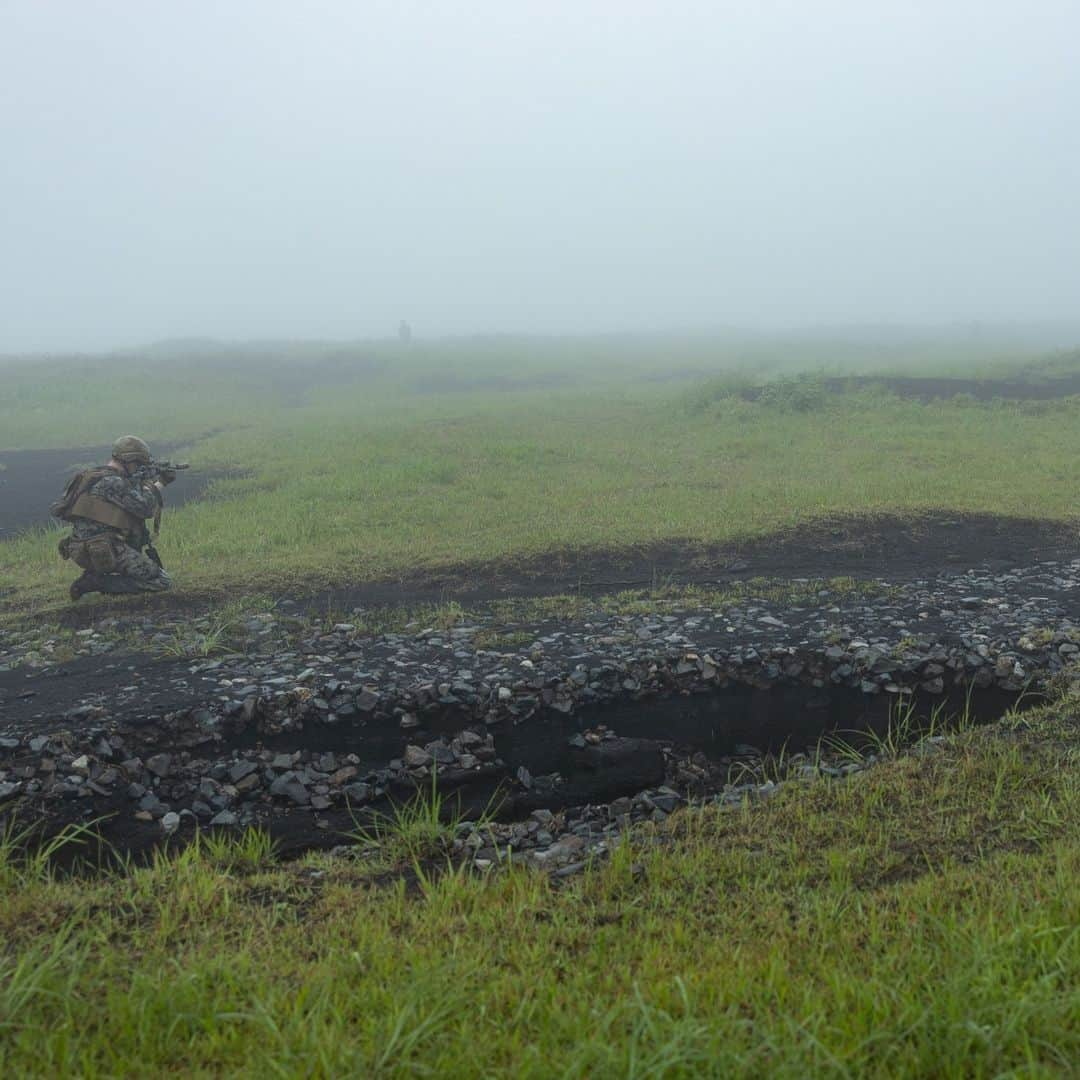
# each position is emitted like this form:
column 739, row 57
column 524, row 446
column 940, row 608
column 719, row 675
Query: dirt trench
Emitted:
column 697, row 745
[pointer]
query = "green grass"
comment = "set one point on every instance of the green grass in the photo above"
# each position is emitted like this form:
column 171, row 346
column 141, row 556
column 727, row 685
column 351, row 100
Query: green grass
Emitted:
column 363, row 487
column 418, row 832
column 921, row 918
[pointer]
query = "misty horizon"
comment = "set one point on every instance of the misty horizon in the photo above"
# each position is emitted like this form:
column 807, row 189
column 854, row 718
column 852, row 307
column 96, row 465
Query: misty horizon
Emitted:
column 265, row 172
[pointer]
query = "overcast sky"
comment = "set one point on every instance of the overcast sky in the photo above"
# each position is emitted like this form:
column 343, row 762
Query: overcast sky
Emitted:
column 277, row 168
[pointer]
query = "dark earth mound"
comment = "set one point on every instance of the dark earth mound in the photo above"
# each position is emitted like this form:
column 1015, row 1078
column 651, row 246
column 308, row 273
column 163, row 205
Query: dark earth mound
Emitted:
column 889, row 545
column 857, row 546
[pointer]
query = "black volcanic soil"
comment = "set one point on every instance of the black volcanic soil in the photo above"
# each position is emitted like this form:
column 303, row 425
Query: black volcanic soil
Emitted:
column 851, row 546
column 889, row 545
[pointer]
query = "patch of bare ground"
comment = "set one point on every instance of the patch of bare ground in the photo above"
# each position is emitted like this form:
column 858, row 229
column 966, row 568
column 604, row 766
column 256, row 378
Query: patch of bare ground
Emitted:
column 894, row 546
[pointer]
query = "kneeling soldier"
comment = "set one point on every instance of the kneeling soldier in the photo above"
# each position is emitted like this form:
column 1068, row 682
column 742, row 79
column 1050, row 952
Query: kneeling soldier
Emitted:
column 108, row 507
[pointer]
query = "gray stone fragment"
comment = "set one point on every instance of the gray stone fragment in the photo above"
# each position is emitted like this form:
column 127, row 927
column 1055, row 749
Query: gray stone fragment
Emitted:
column 366, row 701
column 416, row 757
column 160, row 764
column 240, row 770
column 289, row 786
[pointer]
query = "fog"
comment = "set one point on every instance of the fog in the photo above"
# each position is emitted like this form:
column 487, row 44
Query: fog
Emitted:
column 258, row 169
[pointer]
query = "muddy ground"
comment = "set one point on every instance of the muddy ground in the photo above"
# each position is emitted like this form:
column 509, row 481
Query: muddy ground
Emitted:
column 898, row 547
column 859, row 547
column 31, row 479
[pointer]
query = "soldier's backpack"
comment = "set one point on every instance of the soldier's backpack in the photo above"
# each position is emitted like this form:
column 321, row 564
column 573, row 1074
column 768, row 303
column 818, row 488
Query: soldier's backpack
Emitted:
column 77, row 502
column 75, row 487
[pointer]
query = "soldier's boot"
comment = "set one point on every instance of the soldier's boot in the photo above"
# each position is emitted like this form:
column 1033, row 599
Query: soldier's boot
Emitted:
column 117, row 585
column 88, row 583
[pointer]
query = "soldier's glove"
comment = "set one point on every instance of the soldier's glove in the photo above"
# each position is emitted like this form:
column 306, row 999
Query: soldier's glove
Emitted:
column 166, row 476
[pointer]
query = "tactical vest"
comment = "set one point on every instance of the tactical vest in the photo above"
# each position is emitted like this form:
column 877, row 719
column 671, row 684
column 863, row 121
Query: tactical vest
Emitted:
column 78, row 502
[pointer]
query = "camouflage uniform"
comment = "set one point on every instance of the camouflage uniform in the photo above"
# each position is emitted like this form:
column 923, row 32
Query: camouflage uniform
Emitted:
column 126, row 569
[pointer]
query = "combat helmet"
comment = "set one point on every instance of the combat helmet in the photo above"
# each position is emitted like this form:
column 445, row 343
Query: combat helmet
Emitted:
column 130, row 450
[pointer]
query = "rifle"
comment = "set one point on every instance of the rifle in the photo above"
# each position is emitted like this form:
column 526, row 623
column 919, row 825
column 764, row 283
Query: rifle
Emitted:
column 153, row 469
column 148, row 474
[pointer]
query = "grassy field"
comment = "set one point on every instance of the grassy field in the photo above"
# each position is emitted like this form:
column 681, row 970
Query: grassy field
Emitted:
column 918, row 919
column 434, row 458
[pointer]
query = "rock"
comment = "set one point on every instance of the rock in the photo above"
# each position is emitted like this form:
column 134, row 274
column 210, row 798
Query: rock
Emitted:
column 667, row 801
column 160, row 765
column 366, row 701
column 247, row 784
column 416, row 757
column 441, row 754
column 289, row 786
column 170, row 822
column 241, row 769
column 225, row 817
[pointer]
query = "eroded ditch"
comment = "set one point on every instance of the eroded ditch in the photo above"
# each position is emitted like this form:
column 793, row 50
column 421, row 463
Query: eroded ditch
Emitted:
column 574, row 728
column 557, row 786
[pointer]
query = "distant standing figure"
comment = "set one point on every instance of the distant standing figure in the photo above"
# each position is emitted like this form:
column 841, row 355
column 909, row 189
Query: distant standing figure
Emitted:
column 108, row 508
column 404, row 332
